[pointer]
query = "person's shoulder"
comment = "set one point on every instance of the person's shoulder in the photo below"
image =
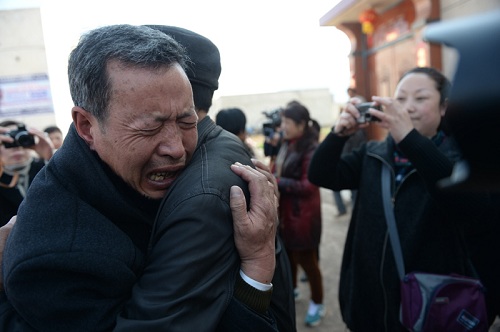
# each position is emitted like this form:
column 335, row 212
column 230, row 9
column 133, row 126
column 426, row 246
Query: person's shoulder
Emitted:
column 209, row 170
column 227, row 148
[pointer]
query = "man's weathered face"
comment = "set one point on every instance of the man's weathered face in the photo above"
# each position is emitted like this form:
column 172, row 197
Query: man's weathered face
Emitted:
column 150, row 133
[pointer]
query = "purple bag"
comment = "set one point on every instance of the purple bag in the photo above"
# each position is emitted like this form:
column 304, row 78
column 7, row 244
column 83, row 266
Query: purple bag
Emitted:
column 433, row 302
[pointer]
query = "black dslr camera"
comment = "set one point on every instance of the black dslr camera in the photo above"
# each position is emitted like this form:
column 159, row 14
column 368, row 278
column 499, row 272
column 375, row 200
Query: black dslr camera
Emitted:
column 364, row 116
column 269, row 129
column 21, row 138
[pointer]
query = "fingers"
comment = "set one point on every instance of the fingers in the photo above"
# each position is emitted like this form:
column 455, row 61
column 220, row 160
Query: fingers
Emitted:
column 262, row 191
column 238, row 204
column 4, row 137
column 391, row 107
column 36, row 132
column 394, row 118
column 255, row 229
column 44, row 146
column 347, row 123
column 264, row 169
column 260, row 165
column 4, row 234
column 386, row 101
column 355, row 100
column 246, row 172
column 257, row 178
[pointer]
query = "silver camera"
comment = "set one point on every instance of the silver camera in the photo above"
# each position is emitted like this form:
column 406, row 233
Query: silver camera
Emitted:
column 363, row 111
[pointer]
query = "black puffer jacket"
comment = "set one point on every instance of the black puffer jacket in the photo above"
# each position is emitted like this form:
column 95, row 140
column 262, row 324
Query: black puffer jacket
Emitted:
column 429, row 222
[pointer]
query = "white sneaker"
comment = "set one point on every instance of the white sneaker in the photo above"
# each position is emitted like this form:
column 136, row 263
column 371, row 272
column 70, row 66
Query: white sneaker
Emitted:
column 315, row 319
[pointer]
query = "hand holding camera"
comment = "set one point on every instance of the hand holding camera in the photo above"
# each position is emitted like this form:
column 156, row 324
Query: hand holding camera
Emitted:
column 21, row 137
column 397, row 117
column 27, row 138
column 272, row 133
column 355, row 116
column 364, row 115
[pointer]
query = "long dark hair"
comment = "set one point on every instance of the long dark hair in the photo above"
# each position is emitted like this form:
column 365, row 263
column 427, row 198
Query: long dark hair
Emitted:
column 300, row 114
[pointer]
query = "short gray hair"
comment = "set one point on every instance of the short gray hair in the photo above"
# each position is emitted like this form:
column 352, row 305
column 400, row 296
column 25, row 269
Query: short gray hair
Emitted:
column 136, row 46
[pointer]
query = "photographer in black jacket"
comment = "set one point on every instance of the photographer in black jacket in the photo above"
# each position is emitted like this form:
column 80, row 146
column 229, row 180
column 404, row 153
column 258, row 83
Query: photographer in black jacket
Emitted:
column 21, row 158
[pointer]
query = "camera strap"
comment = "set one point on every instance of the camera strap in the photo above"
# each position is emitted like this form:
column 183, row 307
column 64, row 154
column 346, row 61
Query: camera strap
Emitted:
column 7, row 180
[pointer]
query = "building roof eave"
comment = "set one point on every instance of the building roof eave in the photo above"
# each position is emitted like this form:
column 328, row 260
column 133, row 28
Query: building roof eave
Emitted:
column 349, row 10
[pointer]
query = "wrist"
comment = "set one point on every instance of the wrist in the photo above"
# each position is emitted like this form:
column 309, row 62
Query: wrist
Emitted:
column 255, row 284
column 260, row 270
column 339, row 133
column 252, row 297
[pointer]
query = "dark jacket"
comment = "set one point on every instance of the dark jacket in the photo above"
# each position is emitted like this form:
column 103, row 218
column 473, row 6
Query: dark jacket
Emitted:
column 73, row 268
column 194, row 229
column 300, row 201
column 68, row 264
column 11, row 198
column 429, row 222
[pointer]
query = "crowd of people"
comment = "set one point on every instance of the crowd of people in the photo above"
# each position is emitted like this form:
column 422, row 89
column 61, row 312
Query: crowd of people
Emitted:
column 120, row 157
column 165, row 219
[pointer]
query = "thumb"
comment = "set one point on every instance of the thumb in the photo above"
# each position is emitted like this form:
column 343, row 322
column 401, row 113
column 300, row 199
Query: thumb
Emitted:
column 5, row 231
column 238, row 204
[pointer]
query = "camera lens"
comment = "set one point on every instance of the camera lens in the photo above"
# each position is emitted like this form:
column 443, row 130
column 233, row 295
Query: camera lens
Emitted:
column 25, row 139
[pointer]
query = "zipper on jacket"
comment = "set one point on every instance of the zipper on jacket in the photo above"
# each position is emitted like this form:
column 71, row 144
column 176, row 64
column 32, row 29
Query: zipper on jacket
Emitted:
column 386, row 239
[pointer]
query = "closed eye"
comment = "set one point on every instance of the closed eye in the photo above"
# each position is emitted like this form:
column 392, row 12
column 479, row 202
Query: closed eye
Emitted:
column 150, row 131
column 187, row 124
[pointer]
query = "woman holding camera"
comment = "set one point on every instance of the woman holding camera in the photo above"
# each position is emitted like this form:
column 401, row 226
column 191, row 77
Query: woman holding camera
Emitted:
column 419, row 153
column 23, row 153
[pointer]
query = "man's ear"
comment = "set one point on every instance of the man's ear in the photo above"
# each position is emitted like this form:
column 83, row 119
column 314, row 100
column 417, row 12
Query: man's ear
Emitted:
column 84, row 121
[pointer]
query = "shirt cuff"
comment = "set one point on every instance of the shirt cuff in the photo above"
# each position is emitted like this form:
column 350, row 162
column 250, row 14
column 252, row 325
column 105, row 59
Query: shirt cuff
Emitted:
column 255, row 284
column 246, row 292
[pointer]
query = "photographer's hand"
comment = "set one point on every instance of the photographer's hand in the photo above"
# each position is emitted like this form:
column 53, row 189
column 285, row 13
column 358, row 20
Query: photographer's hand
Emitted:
column 347, row 122
column 5, row 138
column 394, row 117
column 43, row 145
column 4, row 234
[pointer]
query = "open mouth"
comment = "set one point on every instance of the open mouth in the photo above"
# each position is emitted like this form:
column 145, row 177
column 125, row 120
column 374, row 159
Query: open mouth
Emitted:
column 161, row 176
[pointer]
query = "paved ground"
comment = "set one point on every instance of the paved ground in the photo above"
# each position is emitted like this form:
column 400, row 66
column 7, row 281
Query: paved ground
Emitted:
column 332, row 246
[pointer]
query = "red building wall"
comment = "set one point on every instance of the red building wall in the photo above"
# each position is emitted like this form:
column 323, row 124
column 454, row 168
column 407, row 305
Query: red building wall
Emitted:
column 395, row 46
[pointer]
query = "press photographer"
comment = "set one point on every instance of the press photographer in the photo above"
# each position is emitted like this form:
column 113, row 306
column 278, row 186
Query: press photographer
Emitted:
column 23, row 153
column 272, row 133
